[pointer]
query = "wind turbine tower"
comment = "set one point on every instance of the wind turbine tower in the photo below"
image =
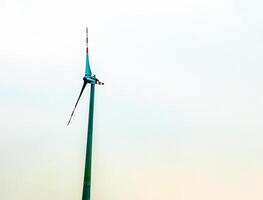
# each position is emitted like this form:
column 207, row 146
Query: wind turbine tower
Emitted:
column 90, row 79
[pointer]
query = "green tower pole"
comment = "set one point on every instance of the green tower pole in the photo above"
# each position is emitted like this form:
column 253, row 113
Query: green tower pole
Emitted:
column 88, row 164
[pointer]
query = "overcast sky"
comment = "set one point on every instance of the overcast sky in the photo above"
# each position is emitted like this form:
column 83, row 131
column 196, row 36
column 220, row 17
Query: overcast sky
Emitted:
column 179, row 116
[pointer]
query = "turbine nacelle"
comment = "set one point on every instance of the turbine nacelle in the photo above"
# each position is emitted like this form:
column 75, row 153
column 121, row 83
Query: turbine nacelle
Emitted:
column 92, row 80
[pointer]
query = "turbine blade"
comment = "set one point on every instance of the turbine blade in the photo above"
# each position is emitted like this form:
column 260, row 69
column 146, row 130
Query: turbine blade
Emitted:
column 88, row 70
column 82, row 89
column 99, row 82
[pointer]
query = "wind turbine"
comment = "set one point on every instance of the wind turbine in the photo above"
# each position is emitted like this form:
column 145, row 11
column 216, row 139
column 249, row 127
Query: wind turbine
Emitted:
column 92, row 80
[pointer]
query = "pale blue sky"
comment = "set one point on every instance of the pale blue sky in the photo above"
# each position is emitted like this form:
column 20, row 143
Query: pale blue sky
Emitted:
column 179, row 117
